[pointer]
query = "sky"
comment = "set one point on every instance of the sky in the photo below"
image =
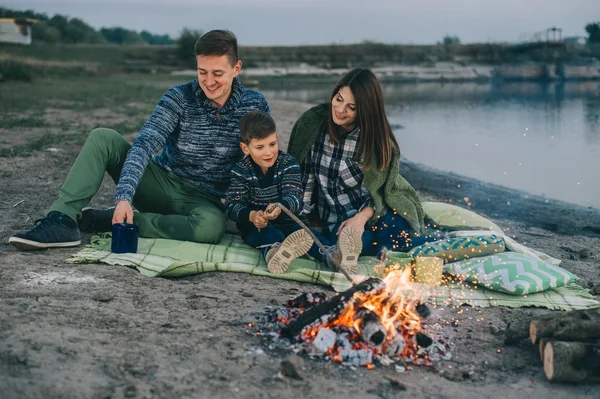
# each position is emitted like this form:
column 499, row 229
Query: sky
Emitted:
column 297, row 22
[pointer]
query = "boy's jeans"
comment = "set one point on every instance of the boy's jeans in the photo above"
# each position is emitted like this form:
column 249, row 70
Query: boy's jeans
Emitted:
column 275, row 233
column 390, row 232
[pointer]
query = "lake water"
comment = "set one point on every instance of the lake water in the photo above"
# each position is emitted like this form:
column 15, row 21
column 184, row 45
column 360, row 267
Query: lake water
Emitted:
column 543, row 139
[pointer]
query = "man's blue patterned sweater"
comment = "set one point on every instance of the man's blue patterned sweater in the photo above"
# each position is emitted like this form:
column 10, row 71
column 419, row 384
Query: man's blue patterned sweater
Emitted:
column 199, row 142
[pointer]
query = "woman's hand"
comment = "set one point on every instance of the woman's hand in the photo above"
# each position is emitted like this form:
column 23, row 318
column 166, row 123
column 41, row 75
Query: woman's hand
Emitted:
column 359, row 220
column 356, row 221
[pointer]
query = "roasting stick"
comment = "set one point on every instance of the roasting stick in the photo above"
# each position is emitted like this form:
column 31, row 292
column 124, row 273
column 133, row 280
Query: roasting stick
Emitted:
column 272, row 207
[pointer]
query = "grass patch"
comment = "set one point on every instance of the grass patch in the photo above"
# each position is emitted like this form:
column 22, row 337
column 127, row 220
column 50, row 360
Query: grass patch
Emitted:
column 80, row 93
column 127, row 127
column 12, row 122
column 130, row 98
column 14, row 70
column 39, row 144
column 26, row 71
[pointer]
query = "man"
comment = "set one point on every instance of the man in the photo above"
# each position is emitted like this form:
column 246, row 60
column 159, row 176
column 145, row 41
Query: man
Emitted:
column 176, row 170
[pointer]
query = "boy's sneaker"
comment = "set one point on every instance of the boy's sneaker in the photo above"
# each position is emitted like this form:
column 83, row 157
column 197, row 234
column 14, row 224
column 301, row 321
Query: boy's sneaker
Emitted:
column 347, row 250
column 57, row 230
column 281, row 255
column 96, row 220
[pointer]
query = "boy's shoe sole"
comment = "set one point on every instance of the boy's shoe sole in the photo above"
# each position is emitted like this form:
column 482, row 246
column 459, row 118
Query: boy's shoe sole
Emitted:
column 295, row 245
column 350, row 246
column 23, row 243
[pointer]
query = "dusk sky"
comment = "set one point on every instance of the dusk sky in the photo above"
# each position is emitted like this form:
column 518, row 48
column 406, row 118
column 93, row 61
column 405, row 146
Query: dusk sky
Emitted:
column 289, row 22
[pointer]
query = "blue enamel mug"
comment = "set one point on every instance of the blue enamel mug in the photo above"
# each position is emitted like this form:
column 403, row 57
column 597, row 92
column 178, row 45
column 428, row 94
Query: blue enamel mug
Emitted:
column 124, row 238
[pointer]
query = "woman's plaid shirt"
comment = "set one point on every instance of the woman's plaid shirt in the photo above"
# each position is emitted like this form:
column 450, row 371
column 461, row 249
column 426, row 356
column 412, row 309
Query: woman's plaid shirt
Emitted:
column 332, row 179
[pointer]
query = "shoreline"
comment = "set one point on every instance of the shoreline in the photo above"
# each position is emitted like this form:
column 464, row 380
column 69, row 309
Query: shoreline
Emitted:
column 503, row 203
column 444, row 72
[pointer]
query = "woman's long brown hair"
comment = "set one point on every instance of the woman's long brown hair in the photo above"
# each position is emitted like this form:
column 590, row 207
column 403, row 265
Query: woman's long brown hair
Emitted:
column 375, row 146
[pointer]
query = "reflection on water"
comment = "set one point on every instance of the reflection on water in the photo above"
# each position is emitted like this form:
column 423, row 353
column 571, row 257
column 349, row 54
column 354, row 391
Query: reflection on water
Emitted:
column 540, row 138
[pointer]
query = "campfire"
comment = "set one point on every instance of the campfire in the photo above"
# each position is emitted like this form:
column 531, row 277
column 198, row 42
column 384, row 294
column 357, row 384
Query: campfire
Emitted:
column 375, row 322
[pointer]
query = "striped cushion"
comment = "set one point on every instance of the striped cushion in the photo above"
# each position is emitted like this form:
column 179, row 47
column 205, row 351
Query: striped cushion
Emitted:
column 511, row 272
column 459, row 248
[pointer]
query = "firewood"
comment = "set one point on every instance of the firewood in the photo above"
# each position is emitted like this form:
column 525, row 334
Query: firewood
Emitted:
column 518, row 330
column 330, row 309
column 306, row 300
column 572, row 361
column 542, row 345
column 579, row 325
column 395, row 346
column 371, row 329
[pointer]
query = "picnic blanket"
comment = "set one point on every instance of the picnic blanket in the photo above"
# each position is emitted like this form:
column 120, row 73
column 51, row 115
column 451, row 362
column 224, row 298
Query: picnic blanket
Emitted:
column 169, row 258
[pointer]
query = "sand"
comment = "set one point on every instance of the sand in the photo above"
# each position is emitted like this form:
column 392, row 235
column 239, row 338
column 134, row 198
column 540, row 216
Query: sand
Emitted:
column 98, row 331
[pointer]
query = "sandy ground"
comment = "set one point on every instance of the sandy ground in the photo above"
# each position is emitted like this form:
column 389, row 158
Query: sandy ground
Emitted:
column 98, row 331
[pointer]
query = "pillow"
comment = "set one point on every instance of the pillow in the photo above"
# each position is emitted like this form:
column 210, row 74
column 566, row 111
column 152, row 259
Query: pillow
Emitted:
column 452, row 217
column 459, row 248
column 511, row 272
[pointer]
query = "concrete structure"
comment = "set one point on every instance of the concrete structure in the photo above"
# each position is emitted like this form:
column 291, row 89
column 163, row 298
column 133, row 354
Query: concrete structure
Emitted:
column 16, row 30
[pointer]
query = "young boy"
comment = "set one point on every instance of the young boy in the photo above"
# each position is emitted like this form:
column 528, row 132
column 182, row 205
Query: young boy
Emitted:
column 265, row 176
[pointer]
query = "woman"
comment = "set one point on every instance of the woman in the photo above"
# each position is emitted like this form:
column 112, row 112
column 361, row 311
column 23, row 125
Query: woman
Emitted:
column 350, row 162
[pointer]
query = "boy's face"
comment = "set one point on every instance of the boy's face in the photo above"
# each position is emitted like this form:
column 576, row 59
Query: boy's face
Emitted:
column 215, row 75
column 263, row 151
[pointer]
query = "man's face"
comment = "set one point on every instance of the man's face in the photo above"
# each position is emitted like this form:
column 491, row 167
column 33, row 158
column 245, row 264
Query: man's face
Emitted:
column 215, row 75
column 263, row 151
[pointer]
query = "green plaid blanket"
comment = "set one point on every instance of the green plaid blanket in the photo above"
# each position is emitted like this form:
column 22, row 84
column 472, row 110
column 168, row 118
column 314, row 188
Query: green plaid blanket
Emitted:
column 169, row 258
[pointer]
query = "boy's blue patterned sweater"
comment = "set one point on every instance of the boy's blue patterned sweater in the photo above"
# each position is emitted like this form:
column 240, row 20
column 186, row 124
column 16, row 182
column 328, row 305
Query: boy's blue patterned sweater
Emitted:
column 251, row 190
column 199, row 142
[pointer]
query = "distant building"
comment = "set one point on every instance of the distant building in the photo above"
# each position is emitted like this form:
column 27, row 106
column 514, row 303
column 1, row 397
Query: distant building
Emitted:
column 575, row 40
column 16, row 30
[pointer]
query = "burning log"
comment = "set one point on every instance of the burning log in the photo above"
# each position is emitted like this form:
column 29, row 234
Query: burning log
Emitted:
column 330, row 309
column 423, row 340
column 370, row 327
column 579, row 325
column 423, row 310
column 395, row 346
column 571, row 361
column 306, row 300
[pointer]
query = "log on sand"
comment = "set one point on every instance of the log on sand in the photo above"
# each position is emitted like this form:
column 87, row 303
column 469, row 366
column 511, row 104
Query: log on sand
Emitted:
column 579, row 325
column 518, row 330
column 571, row 361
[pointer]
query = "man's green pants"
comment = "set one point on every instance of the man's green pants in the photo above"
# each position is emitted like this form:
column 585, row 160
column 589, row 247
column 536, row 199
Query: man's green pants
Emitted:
column 168, row 206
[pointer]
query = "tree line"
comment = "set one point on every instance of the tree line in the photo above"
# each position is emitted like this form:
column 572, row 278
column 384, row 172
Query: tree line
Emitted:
column 64, row 29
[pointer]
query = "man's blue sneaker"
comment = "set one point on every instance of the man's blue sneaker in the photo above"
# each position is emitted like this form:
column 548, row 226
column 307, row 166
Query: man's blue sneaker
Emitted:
column 96, row 220
column 56, row 230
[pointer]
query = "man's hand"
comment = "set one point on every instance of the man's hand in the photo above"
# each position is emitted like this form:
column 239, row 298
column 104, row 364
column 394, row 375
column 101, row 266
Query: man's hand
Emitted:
column 272, row 212
column 258, row 219
column 123, row 213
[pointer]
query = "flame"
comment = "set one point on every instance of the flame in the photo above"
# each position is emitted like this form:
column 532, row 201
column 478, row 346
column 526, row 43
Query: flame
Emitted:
column 394, row 306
